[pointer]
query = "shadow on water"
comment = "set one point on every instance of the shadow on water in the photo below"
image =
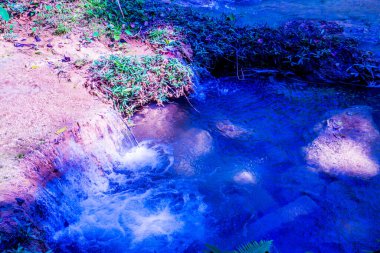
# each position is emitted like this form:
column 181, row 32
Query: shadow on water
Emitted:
column 235, row 173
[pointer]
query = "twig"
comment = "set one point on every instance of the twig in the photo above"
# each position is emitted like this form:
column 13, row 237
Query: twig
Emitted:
column 121, row 10
column 191, row 104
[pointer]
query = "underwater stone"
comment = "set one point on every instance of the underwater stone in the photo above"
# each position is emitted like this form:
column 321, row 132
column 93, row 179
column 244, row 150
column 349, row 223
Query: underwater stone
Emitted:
column 282, row 216
column 230, row 130
column 346, row 143
column 192, row 144
column 245, row 177
column 159, row 123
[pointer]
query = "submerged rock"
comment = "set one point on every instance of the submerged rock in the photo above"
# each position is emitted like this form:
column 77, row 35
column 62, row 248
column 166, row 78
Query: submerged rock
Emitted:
column 230, row 130
column 199, row 142
column 191, row 145
column 160, row 123
column 346, row 144
column 282, row 216
column 245, row 177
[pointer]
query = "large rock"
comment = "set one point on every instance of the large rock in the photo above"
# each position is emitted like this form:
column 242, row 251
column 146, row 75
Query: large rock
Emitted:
column 346, row 144
column 160, row 123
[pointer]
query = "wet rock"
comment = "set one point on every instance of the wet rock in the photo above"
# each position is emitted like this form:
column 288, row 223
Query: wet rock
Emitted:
column 160, row 123
column 199, row 141
column 245, row 177
column 191, row 145
column 346, row 144
column 281, row 217
column 230, row 130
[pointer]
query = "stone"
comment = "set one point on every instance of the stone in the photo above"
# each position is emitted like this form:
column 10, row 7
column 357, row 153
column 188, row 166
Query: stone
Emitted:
column 159, row 123
column 230, row 130
column 192, row 144
column 346, row 144
column 245, row 177
column 282, row 216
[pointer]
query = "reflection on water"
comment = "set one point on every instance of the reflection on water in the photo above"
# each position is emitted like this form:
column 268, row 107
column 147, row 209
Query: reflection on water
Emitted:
column 249, row 180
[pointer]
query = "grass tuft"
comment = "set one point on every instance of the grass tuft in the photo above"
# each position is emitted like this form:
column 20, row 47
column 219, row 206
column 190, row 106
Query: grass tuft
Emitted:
column 132, row 82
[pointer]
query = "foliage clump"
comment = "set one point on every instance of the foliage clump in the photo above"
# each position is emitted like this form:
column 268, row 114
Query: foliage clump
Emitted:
column 134, row 81
column 59, row 15
column 307, row 48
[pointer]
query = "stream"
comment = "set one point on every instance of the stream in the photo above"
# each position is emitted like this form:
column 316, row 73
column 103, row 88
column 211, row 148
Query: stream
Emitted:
column 249, row 160
column 235, row 172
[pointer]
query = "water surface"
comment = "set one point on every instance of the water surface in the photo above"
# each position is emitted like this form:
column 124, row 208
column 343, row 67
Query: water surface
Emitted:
column 209, row 185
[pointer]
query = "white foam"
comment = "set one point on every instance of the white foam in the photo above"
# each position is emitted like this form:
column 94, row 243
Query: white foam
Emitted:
column 140, row 157
column 161, row 223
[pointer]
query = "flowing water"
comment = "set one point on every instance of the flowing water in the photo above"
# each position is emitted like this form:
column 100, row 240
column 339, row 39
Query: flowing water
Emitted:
column 214, row 183
column 237, row 169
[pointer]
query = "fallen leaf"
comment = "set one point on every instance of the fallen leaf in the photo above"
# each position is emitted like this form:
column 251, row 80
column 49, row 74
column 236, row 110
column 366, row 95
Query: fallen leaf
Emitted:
column 61, row 130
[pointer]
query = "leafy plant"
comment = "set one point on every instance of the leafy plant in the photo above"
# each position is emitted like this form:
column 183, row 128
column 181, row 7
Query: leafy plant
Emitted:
column 255, row 247
column 303, row 47
column 252, row 247
column 61, row 29
column 131, row 82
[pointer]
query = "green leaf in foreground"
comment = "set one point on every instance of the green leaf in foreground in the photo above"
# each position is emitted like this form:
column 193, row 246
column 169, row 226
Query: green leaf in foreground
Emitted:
column 256, row 247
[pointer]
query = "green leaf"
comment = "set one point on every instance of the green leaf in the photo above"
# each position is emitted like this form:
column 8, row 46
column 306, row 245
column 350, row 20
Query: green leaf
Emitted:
column 128, row 32
column 4, row 14
column 256, row 247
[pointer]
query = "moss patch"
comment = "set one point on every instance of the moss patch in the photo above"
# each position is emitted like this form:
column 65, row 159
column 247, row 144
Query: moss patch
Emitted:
column 132, row 81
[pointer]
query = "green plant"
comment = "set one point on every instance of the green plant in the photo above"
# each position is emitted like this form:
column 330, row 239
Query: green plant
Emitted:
column 303, row 47
column 61, row 29
column 162, row 36
column 131, row 82
column 252, row 247
column 256, row 247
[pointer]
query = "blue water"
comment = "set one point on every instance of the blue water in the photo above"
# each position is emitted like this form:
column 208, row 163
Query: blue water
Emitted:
column 208, row 185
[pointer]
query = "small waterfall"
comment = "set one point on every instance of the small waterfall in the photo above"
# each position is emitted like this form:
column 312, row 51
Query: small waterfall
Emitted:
column 114, row 194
